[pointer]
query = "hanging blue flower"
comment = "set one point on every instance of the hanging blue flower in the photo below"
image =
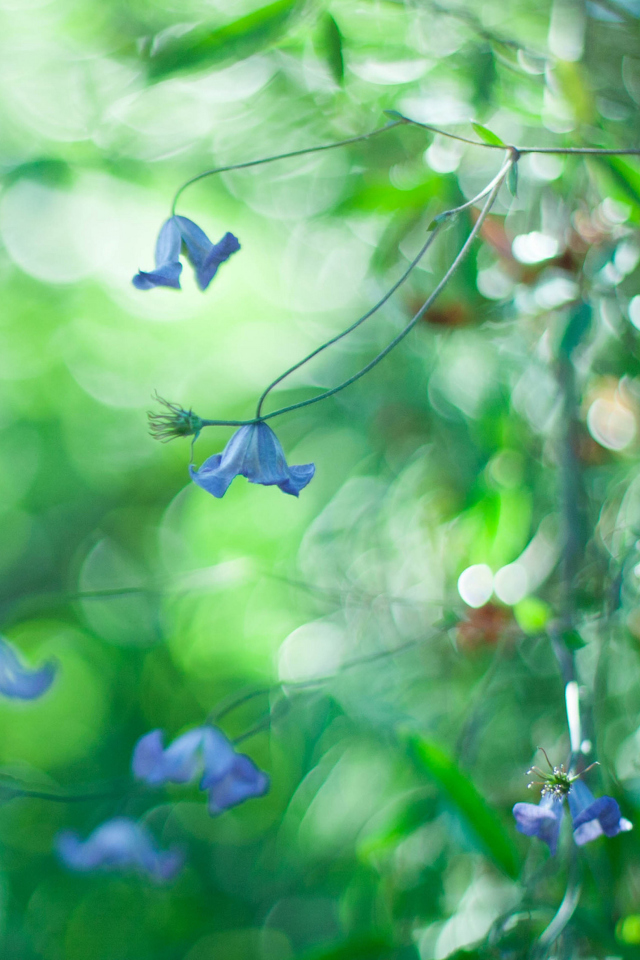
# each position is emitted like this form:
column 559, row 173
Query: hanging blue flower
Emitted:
column 118, row 844
column 229, row 777
column 253, row 452
column 19, row 681
column 204, row 256
column 591, row 818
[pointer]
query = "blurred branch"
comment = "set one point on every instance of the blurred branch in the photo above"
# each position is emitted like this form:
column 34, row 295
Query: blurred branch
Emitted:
column 565, row 911
column 282, row 156
column 240, row 699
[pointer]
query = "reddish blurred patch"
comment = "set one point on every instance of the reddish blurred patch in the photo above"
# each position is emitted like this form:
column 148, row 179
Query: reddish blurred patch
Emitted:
column 484, row 627
column 453, row 314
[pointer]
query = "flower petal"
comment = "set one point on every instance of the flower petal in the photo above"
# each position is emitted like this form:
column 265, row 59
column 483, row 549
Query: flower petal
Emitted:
column 253, row 452
column 168, row 243
column 243, row 781
column 594, row 817
column 120, row 843
column 204, row 255
column 166, row 276
column 298, row 478
column 168, row 266
column 177, row 764
column 219, row 756
column 19, row 681
column 212, row 477
column 219, row 252
column 542, row 820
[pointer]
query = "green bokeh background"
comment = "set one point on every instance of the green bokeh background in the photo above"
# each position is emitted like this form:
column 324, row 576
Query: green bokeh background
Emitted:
column 387, row 832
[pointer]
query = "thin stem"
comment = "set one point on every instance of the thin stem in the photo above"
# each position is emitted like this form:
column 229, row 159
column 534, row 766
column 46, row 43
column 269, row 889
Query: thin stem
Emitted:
column 414, row 320
column 416, row 260
column 400, row 121
column 283, row 156
column 566, row 909
column 445, row 215
column 15, row 791
column 594, row 151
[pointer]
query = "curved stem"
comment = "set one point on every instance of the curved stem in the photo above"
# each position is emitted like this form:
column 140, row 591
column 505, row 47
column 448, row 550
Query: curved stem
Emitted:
column 414, row 320
column 566, row 909
column 282, row 156
column 416, row 260
column 447, row 214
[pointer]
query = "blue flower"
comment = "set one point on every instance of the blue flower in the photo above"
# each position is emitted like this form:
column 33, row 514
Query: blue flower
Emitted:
column 118, row 844
column 229, row 777
column 541, row 820
column 253, row 452
column 168, row 266
column 19, row 681
column 204, row 256
column 591, row 817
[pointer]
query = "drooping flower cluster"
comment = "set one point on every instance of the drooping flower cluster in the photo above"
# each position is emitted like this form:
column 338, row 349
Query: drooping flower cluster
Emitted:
column 253, row 452
column 204, row 256
column 229, row 777
column 592, row 818
column 19, row 681
column 118, row 844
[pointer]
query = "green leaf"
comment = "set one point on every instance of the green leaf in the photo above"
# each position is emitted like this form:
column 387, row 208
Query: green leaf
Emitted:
column 625, row 176
column 488, row 135
column 573, row 640
column 576, row 328
column 234, row 41
column 329, row 45
column 470, row 804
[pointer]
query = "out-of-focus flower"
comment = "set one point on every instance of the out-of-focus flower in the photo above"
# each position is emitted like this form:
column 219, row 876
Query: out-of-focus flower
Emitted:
column 168, row 266
column 542, row 820
column 19, row 681
column 232, row 783
column 229, row 777
column 175, row 423
column 253, row 452
column 118, row 844
column 204, row 255
column 591, row 817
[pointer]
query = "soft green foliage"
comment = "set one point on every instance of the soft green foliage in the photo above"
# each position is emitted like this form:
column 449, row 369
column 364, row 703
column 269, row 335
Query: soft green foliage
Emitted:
column 396, row 722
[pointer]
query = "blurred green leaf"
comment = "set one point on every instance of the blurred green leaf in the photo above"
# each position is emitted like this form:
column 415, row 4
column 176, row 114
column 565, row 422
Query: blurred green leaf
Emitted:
column 573, row 640
column 577, row 326
column 626, row 176
column 414, row 813
column 329, row 46
column 234, row 41
column 488, row 135
column 483, row 820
